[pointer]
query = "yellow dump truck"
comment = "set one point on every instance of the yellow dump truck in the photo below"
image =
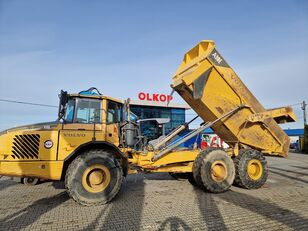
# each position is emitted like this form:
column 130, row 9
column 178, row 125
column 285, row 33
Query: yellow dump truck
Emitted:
column 94, row 143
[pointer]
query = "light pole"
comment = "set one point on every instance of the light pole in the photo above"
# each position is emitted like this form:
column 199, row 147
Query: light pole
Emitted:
column 305, row 148
column 304, row 111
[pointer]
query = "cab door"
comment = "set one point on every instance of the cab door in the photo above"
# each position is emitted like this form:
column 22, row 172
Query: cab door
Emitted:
column 113, row 119
column 83, row 124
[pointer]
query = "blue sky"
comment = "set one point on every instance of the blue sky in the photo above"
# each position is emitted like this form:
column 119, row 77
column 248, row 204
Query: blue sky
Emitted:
column 124, row 47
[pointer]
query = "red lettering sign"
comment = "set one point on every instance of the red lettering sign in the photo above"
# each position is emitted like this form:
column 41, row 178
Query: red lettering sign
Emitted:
column 148, row 97
column 154, row 97
column 141, row 96
column 163, row 98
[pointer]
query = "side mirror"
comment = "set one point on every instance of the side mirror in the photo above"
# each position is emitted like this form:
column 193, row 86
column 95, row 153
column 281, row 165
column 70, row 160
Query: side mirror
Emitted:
column 63, row 96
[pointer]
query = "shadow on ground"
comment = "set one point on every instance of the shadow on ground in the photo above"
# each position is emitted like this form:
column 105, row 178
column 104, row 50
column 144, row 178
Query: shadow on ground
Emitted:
column 266, row 209
column 174, row 223
column 129, row 204
column 126, row 207
column 7, row 183
column 215, row 221
column 295, row 178
column 27, row 216
column 210, row 211
column 290, row 171
column 126, row 210
column 300, row 167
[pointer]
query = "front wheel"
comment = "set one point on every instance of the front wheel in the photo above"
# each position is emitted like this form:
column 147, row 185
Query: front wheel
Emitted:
column 250, row 169
column 94, row 178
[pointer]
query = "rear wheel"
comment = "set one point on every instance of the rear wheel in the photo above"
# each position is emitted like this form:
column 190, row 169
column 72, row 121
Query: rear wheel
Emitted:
column 214, row 170
column 251, row 170
column 94, row 178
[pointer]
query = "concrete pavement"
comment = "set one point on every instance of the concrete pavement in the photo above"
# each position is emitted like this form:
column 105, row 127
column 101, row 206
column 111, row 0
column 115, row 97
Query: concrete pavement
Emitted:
column 158, row 202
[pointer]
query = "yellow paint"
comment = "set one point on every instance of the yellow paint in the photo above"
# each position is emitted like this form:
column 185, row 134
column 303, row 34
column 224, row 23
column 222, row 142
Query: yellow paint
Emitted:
column 41, row 169
column 172, row 158
column 7, row 140
column 175, row 168
column 281, row 115
column 219, row 171
column 254, row 169
column 224, row 91
column 112, row 134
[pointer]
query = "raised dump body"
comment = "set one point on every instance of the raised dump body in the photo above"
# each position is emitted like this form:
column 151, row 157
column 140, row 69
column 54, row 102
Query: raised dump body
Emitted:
column 211, row 87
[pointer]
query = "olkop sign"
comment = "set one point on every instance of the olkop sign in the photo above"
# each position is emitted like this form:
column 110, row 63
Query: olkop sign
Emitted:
column 154, row 97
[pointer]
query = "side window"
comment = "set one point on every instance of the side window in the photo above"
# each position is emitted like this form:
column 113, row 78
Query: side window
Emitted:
column 69, row 116
column 88, row 111
column 114, row 112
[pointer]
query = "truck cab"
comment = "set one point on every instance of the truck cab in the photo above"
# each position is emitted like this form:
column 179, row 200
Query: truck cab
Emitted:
column 40, row 150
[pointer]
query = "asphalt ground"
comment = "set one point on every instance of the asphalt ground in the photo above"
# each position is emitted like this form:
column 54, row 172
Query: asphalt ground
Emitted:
column 159, row 202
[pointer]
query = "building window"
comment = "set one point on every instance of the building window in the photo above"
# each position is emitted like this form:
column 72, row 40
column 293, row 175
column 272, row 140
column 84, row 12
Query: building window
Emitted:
column 176, row 115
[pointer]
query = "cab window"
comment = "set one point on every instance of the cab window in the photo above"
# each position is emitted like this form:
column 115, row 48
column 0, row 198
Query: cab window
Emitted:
column 114, row 112
column 69, row 115
column 88, row 111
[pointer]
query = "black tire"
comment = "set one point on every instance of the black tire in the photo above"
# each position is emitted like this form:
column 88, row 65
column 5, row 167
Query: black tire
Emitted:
column 29, row 181
column 191, row 180
column 78, row 175
column 205, row 178
column 242, row 178
column 197, row 166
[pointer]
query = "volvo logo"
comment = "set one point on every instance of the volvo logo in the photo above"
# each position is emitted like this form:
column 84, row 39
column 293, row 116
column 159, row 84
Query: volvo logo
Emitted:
column 48, row 144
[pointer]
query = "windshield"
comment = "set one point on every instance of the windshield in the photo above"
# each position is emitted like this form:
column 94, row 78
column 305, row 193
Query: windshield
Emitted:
column 83, row 111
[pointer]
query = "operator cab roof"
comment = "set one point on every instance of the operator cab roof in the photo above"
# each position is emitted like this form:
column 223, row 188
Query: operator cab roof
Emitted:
column 93, row 93
column 95, row 97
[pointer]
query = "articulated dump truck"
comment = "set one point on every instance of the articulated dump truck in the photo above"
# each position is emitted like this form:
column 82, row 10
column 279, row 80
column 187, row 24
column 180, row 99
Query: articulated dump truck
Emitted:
column 95, row 143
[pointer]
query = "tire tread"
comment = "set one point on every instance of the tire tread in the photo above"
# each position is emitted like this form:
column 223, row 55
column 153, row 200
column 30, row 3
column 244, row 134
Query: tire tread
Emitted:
column 79, row 159
column 240, row 178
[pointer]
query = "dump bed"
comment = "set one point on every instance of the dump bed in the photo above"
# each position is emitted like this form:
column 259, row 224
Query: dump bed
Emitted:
column 211, row 87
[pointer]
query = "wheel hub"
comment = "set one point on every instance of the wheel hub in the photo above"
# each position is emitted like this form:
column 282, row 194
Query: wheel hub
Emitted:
column 219, row 171
column 30, row 180
column 96, row 178
column 254, row 169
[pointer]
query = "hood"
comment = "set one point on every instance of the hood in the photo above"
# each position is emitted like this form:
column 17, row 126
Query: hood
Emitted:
column 38, row 126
